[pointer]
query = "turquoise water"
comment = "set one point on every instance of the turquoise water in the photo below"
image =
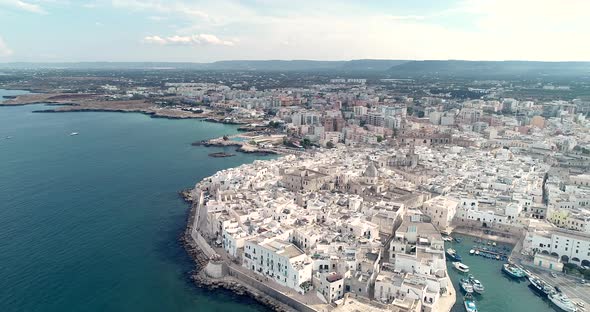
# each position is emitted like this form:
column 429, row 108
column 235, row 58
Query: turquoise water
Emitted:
column 501, row 292
column 91, row 222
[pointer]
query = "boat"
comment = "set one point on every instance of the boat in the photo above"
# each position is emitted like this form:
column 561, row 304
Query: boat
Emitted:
column 447, row 238
column 493, row 243
column 472, row 251
column 469, row 304
column 466, row 286
column 540, row 287
column 73, row 133
column 461, row 267
column 477, row 252
column 562, row 301
column 452, row 253
column 458, row 240
column 8, row 137
column 513, row 271
column 477, row 285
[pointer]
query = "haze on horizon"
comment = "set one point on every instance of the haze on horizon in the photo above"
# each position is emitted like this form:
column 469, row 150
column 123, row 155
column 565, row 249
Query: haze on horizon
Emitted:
column 206, row 31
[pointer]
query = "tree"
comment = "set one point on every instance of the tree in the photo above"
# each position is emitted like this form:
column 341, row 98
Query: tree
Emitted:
column 330, row 144
column 379, row 139
column 306, row 143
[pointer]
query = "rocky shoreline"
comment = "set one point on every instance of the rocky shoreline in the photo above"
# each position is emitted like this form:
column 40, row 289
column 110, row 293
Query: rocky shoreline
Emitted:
column 199, row 277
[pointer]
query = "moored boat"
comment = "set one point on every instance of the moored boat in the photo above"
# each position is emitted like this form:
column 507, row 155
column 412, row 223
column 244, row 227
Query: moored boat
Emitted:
column 562, row 301
column 461, row 267
column 453, row 255
column 472, row 252
column 477, row 285
column 469, row 304
column 540, row 287
column 466, row 286
column 513, row 271
column 447, row 238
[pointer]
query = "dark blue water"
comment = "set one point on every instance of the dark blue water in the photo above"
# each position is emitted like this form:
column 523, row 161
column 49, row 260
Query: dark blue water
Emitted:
column 91, row 222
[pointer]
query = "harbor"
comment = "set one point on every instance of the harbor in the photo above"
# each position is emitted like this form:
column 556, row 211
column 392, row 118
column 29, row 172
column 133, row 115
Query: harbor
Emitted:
column 502, row 291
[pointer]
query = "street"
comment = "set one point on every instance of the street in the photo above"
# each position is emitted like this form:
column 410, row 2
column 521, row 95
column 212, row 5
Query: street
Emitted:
column 569, row 285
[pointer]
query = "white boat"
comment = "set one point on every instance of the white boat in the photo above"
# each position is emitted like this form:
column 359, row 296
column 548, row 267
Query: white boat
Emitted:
column 447, row 238
column 562, row 302
column 477, row 285
column 466, row 286
column 73, row 133
column 461, row 267
column 471, row 252
column 477, row 252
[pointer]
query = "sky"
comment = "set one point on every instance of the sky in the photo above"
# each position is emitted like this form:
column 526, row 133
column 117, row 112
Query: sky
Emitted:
column 206, row 31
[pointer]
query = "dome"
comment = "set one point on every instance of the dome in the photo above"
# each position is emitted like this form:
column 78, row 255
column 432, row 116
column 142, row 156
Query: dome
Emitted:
column 371, row 171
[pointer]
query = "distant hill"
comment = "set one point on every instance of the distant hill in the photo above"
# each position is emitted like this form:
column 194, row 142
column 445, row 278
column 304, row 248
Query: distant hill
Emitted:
column 391, row 68
column 490, row 69
column 262, row 65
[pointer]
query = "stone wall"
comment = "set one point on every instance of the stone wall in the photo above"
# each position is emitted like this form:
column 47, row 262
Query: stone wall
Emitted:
column 273, row 293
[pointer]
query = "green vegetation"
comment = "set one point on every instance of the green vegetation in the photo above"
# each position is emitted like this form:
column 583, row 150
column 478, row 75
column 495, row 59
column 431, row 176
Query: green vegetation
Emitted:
column 379, row 139
column 573, row 269
column 330, row 144
column 306, row 143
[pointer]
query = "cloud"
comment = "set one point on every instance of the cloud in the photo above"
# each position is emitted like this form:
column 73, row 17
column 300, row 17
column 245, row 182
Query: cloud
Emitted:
column 24, row 6
column 4, row 50
column 172, row 7
column 199, row 39
column 407, row 17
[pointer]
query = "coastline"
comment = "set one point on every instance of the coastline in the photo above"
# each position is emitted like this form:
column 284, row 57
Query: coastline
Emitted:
column 74, row 102
column 198, row 275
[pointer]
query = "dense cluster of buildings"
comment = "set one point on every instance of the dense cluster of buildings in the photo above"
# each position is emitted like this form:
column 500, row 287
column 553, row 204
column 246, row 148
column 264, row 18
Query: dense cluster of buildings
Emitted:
column 361, row 211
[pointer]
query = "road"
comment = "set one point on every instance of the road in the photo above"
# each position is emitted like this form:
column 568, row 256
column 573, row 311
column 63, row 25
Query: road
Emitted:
column 570, row 285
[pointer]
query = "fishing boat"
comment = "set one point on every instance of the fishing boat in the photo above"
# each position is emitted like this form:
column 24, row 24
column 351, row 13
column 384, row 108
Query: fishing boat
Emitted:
column 562, row 301
column 469, row 304
column 472, row 252
column 461, row 267
column 540, row 287
column 513, row 271
column 466, row 286
column 477, row 285
column 453, row 255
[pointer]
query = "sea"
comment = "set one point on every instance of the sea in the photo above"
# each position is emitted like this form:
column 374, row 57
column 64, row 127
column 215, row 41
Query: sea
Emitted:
column 502, row 293
column 91, row 222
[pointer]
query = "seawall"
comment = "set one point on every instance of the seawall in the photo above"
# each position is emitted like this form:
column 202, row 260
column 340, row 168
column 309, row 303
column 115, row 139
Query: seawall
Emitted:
column 203, row 254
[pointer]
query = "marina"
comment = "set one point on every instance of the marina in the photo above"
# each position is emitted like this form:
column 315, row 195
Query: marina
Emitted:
column 500, row 292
